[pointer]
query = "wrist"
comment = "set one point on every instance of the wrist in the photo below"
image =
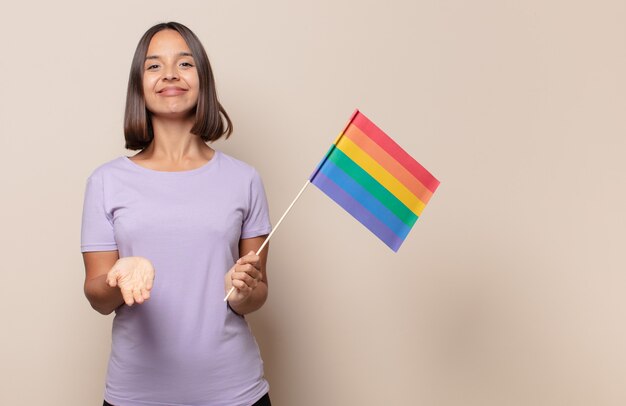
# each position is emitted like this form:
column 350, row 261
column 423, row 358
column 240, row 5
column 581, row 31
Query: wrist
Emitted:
column 232, row 309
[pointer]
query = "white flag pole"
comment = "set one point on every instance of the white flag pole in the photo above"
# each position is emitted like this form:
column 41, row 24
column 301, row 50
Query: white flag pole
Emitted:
column 307, row 183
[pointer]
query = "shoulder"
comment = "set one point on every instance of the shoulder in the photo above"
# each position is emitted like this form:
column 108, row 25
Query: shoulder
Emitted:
column 237, row 167
column 113, row 166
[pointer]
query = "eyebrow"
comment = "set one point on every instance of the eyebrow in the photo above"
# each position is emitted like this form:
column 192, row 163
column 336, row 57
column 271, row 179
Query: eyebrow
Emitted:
column 179, row 54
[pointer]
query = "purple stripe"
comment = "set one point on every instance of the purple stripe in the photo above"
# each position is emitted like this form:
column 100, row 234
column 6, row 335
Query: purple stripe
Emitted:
column 357, row 211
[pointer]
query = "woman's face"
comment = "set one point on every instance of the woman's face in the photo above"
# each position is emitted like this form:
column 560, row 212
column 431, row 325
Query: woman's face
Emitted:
column 170, row 78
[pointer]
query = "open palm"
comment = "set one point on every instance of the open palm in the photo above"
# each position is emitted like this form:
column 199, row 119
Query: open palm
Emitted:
column 134, row 276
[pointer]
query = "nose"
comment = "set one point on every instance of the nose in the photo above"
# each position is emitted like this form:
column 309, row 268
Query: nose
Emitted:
column 170, row 73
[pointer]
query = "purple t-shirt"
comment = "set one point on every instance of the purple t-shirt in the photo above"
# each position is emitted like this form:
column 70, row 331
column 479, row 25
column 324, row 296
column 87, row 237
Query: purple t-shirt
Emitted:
column 183, row 346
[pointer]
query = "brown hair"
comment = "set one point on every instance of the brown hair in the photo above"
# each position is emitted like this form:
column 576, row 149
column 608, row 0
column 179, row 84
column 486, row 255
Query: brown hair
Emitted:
column 212, row 122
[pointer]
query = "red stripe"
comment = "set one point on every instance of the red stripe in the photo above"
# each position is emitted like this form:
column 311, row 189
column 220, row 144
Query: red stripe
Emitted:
column 356, row 112
column 388, row 163
column 393, row 149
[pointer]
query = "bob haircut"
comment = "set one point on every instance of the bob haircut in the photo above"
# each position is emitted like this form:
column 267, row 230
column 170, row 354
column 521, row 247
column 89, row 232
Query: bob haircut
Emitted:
column 211, row 123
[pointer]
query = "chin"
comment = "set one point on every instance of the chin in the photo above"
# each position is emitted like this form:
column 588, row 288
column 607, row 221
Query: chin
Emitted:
column 174, row 113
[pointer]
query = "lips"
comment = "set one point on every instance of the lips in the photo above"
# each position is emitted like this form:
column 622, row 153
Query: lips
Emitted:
column 172, row 91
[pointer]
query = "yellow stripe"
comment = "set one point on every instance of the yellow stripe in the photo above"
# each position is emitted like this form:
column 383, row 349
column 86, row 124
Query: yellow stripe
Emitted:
column 379, row 173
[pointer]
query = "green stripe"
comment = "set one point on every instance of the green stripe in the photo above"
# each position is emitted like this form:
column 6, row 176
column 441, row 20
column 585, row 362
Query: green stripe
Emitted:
column 371, row 185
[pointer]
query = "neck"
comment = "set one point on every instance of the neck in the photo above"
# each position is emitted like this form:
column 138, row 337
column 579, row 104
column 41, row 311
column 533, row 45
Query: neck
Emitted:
column 173, row 141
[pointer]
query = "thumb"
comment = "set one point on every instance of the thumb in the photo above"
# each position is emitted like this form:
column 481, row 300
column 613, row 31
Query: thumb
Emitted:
column 241, row 260
column 112, row 278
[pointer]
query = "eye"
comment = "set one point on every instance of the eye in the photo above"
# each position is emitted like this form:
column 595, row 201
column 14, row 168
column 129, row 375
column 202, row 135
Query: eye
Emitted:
column 186, row 64
column 152, row 67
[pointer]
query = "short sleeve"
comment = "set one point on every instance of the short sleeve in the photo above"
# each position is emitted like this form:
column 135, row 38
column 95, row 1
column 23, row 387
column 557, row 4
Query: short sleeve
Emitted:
column 257, row 220
column 97, row 228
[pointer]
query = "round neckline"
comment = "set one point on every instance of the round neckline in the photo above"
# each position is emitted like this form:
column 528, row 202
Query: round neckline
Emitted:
column 202, row 168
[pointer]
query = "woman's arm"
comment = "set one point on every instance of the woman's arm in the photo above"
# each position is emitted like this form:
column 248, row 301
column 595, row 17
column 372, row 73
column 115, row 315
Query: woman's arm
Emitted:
column 102, row 297
column 249, row 277
column 111, row 281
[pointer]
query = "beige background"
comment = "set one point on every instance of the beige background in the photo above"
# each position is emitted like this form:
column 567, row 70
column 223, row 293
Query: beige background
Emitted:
column 509, row 290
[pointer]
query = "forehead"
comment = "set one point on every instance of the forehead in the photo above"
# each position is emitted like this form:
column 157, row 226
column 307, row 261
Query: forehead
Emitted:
column 167, row 42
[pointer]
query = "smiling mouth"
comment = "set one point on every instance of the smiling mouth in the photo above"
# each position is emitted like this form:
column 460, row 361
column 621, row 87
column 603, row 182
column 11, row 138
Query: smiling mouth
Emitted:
column 171, row 91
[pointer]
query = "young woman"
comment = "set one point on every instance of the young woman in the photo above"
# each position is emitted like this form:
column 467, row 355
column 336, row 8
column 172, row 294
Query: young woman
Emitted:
column 167, row 232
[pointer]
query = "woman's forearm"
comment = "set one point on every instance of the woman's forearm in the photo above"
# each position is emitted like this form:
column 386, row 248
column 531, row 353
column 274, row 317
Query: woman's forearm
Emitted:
column 103, row 298
column 253, row 302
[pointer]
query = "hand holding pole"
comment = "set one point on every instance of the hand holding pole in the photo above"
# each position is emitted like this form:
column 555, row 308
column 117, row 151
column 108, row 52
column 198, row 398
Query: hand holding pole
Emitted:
column 274, row 230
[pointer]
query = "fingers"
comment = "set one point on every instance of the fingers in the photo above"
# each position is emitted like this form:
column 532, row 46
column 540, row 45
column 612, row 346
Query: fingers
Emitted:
column 245, row 277
column 247, row 273
column 112, row 278
column 147, row 281
column 241, row 292
column 145, row 293
column 240, row 285
column 150, row 282
column 127, row 294
column 134, row 278
column 137, row 296
column 247, row 269
column 250, row 258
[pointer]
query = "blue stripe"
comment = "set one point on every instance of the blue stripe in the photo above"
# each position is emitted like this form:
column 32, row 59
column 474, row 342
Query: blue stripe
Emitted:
column 367, row 200
column 356, row 210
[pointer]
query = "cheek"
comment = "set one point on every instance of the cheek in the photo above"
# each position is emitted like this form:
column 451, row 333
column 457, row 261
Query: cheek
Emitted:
column 148, row 86
column 193, row 82
column 148, row 93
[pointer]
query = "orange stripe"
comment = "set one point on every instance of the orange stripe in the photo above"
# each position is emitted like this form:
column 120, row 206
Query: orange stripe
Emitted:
column 385, row 160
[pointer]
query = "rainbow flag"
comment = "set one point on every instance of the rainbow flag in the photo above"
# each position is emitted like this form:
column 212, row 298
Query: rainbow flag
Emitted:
column 375, row 180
